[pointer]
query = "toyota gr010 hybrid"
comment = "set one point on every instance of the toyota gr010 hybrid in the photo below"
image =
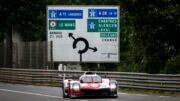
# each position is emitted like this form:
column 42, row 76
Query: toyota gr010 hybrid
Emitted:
column 89, row 84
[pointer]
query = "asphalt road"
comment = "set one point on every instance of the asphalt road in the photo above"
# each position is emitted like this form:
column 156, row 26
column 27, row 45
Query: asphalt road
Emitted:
column 16, row 92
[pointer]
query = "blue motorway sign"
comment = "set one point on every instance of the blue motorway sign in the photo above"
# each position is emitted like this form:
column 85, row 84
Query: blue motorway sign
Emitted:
column 74, row 14
column 100, row 13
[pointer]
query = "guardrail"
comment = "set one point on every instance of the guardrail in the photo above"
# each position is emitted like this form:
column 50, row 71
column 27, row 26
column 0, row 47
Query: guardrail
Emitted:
column 169, row 82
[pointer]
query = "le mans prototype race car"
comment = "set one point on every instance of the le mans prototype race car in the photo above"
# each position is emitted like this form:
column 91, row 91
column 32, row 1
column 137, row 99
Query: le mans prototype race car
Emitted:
column 89, row 84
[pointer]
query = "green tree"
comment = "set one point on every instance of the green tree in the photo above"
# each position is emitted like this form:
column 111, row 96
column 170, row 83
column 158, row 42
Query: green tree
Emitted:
column 155, row 29
column 26, row 16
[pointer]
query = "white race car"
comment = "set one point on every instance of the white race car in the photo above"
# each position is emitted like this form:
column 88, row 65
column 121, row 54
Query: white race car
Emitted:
column 89, row 84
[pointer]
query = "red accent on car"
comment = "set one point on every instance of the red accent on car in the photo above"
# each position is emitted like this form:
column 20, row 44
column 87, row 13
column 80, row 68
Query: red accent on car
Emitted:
column 67, row 88
column 75, row 93
column 69, row 81
column 91, row 86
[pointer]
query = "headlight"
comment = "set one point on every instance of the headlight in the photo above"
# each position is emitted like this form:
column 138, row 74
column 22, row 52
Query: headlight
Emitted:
column 76, row 87
column 112, row 86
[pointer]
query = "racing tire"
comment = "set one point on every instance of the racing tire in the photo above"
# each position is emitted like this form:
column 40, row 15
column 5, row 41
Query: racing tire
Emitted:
column 71, row 97
column 113, row 96
column 63, row 91
column 64, row 96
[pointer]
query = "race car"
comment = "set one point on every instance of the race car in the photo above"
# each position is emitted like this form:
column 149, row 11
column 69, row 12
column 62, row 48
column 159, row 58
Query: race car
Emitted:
column 89, row 84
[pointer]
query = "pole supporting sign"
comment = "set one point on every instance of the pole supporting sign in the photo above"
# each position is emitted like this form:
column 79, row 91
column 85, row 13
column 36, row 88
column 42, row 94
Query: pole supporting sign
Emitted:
column 84, row 33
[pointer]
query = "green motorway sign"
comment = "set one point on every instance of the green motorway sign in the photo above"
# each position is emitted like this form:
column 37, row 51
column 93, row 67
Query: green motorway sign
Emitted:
column 102, row 25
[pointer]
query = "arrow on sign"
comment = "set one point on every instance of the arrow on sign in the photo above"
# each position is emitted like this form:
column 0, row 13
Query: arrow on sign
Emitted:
column 76, row 40
column 94, row 49
column 71, row 35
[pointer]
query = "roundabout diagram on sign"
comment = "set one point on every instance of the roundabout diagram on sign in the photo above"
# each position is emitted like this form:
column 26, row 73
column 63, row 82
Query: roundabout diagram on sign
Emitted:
column 85, row 48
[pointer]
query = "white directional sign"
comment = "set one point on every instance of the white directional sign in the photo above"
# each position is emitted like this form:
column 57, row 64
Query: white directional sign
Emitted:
column 84, row 33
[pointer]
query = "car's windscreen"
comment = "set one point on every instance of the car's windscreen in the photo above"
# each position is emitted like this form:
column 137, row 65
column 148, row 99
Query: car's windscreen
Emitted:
column 86, row 79
column 91, row 79
column 96, row 79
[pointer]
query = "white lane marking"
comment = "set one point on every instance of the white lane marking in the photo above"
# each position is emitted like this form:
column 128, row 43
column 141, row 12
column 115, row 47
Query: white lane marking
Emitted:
column 142, row 95
column 38, row 94
column 82, row 100
column 165, row 96
column 133, row 94
column 122, row 93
